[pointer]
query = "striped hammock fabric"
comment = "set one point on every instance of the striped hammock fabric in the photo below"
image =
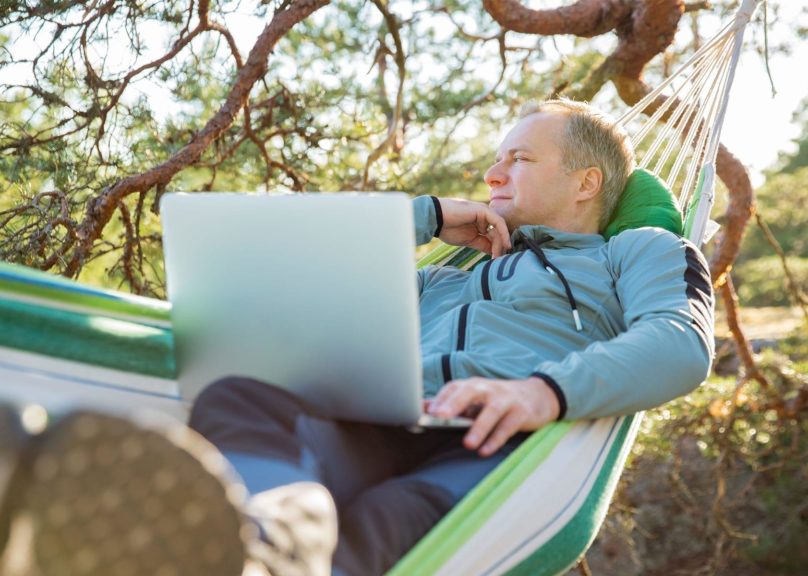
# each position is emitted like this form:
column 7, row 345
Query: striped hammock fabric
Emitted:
column 66, row 345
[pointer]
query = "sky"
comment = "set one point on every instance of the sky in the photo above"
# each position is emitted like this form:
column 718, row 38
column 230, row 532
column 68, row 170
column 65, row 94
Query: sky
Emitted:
column 758, row 126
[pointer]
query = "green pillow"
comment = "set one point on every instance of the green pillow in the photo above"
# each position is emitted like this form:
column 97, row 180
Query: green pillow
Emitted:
column 646, row 201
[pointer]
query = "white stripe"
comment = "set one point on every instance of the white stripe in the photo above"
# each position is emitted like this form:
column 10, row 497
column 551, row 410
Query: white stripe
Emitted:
column 545, row 502
column 59, row 385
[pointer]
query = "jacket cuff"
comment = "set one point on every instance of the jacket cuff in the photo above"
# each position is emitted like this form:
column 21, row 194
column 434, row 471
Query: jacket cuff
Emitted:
column 428, row 218
column 562, row 400
column 438, row 216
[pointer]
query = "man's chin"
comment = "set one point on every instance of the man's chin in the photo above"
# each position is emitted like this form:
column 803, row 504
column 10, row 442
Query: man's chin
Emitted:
column 502, row 207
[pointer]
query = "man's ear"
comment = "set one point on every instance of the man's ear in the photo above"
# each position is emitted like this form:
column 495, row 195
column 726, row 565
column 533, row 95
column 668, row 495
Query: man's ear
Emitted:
column 590, row 183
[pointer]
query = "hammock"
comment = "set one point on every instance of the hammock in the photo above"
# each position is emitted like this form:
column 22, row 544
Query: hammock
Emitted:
column 63, row 345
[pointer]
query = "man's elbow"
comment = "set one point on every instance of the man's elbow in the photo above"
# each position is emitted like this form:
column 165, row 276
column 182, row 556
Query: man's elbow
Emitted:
column 695, row 368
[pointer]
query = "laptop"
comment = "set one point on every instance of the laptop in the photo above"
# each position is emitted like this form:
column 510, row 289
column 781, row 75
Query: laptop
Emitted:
column 313, row 293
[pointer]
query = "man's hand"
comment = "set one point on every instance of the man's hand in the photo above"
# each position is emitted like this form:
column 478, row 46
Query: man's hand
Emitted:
column 474, row 224
column 504, row 407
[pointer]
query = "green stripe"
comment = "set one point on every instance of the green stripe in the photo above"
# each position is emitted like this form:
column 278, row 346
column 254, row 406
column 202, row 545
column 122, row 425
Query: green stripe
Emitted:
column 464, row 520
column 468, row 260
column 22, row 281
column 436, row 255
column 459, row 257
column 90, row 339
column 563, row 550
column 91, row 334
column 692, row 206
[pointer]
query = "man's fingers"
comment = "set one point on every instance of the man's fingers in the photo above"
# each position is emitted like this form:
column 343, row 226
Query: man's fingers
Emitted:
column 509, row 425
column 496, row 243
column 497, row 230
column 481, row 243
column 484, row 423
column 501, row 230
column 497, row 237
column 493, row 226
column 462, row 395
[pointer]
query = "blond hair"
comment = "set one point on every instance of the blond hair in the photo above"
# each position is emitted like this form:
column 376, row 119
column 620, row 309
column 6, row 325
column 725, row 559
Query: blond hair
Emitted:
column 592, row 139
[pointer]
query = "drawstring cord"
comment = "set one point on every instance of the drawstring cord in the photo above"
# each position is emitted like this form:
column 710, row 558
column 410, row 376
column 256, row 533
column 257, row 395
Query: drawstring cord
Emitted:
column 535, row 247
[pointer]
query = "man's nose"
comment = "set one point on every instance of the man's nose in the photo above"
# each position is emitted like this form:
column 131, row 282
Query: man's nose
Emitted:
column 494, row 176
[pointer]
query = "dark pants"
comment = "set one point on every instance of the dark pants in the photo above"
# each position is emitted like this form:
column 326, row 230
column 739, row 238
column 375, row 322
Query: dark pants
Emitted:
column 390, row 485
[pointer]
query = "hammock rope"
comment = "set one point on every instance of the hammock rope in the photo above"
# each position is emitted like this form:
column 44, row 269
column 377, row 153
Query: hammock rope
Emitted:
column 680, row 136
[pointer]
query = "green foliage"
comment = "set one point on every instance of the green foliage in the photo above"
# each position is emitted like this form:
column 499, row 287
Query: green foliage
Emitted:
column 795, row 346
column 758, row 273
column 762, row 281
column 789, row 163
column 781, row 201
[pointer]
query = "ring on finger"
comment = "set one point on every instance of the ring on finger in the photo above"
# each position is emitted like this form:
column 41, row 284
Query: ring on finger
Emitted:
column 487, row 230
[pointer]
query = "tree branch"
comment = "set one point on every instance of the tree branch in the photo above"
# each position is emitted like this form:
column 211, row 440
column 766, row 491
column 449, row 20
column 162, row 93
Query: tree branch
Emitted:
column 100, row 208
column 585, row 18
column 740, row 208
column 797, row 295
column 730, row 299
column 400, row 59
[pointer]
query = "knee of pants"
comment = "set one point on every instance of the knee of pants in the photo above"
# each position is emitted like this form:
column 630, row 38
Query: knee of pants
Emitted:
column 225, row 388
column 243, row 405
column 245, row 396
column 386, row 521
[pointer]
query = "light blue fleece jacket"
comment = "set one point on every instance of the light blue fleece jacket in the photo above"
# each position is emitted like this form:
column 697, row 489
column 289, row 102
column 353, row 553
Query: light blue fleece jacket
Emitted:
column 646, row 309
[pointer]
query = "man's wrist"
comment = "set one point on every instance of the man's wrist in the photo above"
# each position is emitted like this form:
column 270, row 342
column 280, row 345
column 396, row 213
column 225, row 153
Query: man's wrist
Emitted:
column 555, row 399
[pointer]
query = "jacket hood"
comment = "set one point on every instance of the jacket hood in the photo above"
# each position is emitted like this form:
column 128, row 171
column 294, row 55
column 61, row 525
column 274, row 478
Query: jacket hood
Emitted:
column 552, row 238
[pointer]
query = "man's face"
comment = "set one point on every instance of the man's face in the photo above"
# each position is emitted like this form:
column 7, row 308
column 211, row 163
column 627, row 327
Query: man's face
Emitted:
column 528, row 183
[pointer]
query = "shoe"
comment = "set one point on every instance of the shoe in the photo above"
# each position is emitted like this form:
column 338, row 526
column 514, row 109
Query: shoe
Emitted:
column 97, row 495
column 298, row 525
column 12, row 441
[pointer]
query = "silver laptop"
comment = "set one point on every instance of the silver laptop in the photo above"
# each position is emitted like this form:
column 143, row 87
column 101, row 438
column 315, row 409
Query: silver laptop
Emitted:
column 314, row 293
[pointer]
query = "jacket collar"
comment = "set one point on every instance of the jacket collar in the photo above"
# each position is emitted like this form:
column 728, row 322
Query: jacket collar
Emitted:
column 551, row 238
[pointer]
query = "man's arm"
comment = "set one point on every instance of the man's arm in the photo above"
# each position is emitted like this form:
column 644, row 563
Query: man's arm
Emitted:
column 460, row 223
column 664, row 286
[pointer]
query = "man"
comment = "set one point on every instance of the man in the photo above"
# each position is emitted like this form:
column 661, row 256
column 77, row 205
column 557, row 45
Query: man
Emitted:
column 559, row 324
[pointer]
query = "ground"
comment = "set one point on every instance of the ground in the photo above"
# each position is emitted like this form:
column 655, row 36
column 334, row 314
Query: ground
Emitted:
column 704, row 494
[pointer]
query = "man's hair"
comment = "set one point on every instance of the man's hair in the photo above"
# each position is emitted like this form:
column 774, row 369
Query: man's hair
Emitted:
column 592, row 139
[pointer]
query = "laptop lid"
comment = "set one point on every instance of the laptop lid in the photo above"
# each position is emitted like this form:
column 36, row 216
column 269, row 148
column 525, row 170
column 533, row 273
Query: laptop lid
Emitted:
column 314, row 293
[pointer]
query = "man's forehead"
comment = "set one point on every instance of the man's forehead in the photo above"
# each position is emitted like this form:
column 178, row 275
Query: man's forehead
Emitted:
column 510, row 148
column 534, row 130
